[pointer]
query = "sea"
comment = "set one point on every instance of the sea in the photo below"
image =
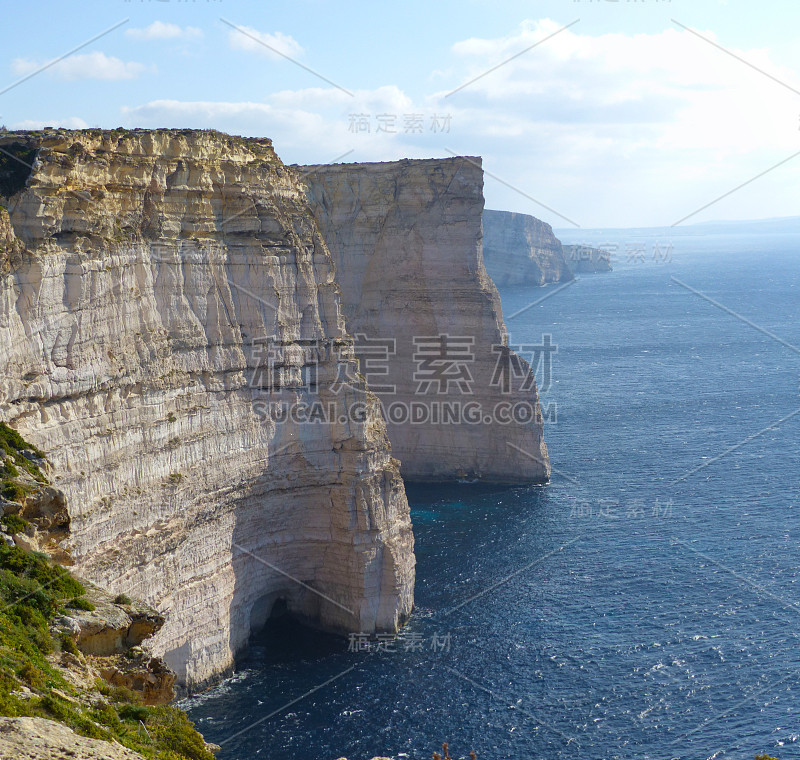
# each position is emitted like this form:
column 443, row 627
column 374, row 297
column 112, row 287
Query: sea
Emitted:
column 643, row 604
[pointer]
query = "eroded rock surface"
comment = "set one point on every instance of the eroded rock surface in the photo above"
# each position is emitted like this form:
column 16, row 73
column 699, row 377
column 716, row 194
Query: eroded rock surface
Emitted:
column 114, row 625
column 162, row 289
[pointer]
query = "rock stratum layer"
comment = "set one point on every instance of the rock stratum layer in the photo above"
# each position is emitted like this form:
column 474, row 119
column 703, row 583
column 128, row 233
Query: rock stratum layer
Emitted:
column 520, row 249
column 406, row 240
column 156, row 290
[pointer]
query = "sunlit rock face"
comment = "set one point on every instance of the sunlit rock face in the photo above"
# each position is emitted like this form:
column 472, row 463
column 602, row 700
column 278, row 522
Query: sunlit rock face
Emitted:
column 159, row 292
column 406, row 240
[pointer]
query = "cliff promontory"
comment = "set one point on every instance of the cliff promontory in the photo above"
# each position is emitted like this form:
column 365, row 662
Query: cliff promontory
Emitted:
column 406, row 240
column 228, row 361
column 520, row 249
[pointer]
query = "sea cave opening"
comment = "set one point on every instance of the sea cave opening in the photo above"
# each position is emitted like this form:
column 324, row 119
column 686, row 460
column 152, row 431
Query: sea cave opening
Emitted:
column 279, row 636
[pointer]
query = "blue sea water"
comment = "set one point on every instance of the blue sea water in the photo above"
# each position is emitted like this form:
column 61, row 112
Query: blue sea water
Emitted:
column 636, row 606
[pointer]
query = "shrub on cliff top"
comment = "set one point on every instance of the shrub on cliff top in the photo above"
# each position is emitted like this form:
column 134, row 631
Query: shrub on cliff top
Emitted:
column 14, row 523
column 15, row 167
column 12, row 491
column 81, row 603
column 32, row 589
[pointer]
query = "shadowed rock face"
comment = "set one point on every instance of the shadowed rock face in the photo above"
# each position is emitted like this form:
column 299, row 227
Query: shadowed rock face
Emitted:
column 406, row 240
column 520, row 249
column 158, row 289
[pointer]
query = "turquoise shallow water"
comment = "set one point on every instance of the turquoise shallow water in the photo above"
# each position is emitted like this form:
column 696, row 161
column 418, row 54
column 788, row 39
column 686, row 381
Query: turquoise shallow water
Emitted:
column 617, row 612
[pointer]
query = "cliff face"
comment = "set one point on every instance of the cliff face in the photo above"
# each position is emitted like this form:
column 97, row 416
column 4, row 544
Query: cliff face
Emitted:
column 406, row 240
column 159, row 291
column 522, row 250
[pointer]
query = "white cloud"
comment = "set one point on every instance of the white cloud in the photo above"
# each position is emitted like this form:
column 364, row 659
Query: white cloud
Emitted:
column 271, row 45
column 643, row 125
column 71, row 122
column 160, row 30
column 609, row 130
column 85, row 66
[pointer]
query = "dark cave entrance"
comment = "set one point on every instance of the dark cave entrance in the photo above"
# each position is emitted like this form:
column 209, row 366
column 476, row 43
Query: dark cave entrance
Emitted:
column 283, row 638
column 279, row 609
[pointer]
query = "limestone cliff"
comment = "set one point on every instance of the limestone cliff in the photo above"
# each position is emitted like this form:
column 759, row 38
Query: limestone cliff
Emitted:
column 406, row 240
column 159, row 290
column 520, row 249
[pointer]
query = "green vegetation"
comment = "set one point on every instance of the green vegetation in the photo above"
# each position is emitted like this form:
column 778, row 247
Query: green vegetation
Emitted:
column 81, row 603
column 122, row 599
column 32, row 591
column 68, row 644
column 12, row 491
column 14, row 524
column 8, row 470
column 12, row 443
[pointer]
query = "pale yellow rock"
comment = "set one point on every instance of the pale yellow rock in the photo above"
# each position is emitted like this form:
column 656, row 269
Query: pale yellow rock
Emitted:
column 41, row 739
column 406, row 239
column 132, row 350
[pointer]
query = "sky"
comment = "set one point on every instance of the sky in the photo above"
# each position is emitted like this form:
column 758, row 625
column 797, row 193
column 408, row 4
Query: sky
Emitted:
column 586, row 113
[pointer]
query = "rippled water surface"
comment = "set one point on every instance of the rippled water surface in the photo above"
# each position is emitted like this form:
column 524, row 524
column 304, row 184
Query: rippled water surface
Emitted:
column 634, row 607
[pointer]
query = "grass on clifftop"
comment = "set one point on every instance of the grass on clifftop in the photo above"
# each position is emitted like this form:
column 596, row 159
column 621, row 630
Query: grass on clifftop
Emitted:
column 33, row 590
